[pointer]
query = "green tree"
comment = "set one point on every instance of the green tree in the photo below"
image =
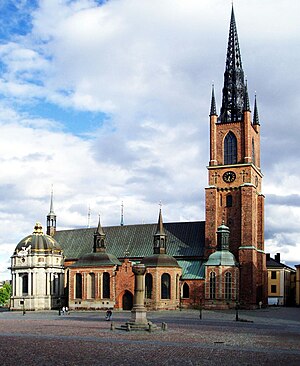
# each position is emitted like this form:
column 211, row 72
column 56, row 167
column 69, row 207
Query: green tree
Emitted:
column 5, row 293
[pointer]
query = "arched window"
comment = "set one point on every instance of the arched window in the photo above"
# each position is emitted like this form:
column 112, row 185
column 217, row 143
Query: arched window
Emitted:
column 212, row 285
column 25, row 284
column 165, row 286
column 230, row 149
column 106, row 285
column 185, row 291
column 91, row 286
column 148, row 285
column 78, row 286
column 253, row 152
column 229, row 200
column 228, row 282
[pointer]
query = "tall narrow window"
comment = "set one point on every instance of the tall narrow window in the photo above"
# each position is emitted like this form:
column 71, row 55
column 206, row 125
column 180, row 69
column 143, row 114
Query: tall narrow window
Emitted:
column 253, row 152
column 148, row 285
column 212, row 285
column 185, row 291
column 165, row 286
column 106, row 285
column 25, row 284
column 78, row 279
column 91, row 286
column 228, row 283
column 230, row 149
column 229, row 200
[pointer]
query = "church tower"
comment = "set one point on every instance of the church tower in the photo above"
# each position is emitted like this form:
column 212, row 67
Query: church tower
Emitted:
column 234, row 177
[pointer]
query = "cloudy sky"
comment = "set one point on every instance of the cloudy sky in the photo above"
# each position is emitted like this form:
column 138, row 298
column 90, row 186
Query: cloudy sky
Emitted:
column 108, row 101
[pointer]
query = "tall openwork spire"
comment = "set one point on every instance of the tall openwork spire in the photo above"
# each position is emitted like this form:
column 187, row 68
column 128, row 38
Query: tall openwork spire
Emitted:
column 255, row 114
column 246, row 99
column 234, row 86
column 213, row 109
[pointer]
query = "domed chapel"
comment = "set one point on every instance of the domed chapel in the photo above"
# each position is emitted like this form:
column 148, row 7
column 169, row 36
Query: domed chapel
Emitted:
column 213, row 263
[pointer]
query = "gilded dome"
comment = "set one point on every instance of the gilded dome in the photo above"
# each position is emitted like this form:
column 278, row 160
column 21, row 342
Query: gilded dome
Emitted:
column 38, row 242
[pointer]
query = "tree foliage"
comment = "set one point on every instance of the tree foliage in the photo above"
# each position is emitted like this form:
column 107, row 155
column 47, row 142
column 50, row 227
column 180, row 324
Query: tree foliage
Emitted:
column 5, row 293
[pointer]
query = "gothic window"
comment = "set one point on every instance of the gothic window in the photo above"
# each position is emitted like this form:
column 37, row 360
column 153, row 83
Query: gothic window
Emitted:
column 185, row 291
column 230, row 149
column 253, row 152
column 91, row 286
column 165, row 286
column 25, row 284
column 78, row 286
column 229, row 200
column 106, row 285
column 228, row 282
column 148, row 285
column 212, row 285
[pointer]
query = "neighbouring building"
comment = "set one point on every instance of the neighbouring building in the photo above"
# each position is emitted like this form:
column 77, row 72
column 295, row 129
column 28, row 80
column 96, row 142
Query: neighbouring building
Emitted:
column 214, row 263
column 281, row 282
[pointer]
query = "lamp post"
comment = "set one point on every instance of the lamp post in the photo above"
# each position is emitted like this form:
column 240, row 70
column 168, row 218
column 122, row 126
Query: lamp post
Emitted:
column 23, row 302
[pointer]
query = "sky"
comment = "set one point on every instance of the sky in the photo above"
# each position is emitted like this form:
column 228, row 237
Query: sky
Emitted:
column 108, row 102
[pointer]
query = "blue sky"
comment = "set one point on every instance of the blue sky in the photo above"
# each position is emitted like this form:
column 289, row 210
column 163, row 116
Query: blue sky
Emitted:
column 109, row 102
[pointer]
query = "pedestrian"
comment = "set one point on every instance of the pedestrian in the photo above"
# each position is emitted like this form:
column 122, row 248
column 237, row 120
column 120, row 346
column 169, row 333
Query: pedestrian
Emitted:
column 63, row 310
column 108, row 315
column 67, row 310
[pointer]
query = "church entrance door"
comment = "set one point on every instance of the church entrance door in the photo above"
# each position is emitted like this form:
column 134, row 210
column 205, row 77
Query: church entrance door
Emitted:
column 127, row 301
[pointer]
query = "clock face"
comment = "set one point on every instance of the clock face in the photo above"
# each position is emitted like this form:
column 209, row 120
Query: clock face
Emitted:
column 229, row 177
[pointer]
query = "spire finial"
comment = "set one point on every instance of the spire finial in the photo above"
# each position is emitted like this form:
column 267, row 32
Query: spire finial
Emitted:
column 51, row 202
column 213, row 109
column 234, row 88
column 122, row 214
column 89, row 217
column 255, row 114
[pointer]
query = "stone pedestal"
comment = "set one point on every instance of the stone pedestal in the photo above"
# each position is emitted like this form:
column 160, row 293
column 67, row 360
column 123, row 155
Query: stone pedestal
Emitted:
column 139, row 319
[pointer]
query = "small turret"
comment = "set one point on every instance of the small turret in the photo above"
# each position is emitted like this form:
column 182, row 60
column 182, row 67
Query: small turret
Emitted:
column 99, row 239
column 213, row 109
column 255, row 114
column 51, row 218
column 160, row 237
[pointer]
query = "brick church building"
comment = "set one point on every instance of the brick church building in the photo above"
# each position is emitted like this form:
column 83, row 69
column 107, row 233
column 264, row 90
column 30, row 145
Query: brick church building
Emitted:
column 215, row 264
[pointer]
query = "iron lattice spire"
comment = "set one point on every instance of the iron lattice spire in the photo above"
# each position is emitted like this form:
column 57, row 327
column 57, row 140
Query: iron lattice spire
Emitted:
column 255, row 114
column 246, row 99
column 234, row 86
column 213, row 109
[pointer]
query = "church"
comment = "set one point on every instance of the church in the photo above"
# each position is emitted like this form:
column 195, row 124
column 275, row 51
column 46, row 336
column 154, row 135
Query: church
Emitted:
column 215, row 264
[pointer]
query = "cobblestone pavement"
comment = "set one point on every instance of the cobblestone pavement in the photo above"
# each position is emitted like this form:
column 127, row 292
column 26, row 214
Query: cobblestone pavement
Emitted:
column 261, row 337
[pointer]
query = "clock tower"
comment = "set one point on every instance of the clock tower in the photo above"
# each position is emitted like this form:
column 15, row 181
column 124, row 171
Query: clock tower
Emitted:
column 233, row 195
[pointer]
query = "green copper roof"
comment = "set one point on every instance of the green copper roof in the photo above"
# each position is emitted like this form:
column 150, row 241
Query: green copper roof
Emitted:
column 192, row 269
column 184, row 239
column 221, row 258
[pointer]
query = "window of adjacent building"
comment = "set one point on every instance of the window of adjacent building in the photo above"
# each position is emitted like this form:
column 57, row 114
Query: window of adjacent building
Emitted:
column 148, row 285
column 212, row 285
column 229, row 200
column 273, row 275
column 273, row 289
column 165, row 286
column 230, row 149
column 106, row 285
column 185, row 291
column 78, row 286
column 228, row 283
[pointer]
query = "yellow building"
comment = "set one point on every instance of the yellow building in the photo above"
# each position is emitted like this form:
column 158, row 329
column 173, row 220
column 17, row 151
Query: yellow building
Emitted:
column 298, row 284
column 281, row 282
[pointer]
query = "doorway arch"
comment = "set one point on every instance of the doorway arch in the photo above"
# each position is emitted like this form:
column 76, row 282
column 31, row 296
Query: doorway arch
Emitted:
column 127, row 300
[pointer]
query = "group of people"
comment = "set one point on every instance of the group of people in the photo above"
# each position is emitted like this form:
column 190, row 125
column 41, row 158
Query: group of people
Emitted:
column 65, row 310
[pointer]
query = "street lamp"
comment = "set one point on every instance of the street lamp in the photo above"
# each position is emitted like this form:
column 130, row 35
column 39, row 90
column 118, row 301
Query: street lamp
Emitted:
column 23, row 303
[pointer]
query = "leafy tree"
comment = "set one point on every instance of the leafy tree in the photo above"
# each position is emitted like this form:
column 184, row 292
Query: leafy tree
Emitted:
column 5, row 293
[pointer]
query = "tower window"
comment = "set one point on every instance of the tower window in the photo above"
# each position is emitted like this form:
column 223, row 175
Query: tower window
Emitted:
column 229, row 200
column 230, row 149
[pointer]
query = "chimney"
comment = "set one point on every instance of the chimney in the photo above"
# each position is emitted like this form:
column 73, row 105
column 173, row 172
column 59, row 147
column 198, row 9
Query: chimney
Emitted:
column 267, row 256
column 277, row 257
